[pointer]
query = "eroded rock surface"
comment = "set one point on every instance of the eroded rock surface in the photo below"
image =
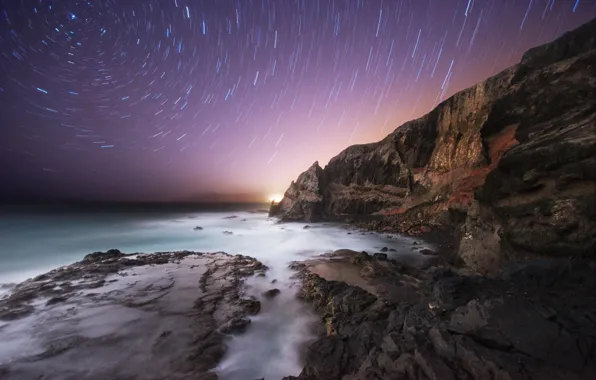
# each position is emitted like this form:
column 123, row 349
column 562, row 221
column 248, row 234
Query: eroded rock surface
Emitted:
column 518, row 150
column 117, row 316
column 536, row 321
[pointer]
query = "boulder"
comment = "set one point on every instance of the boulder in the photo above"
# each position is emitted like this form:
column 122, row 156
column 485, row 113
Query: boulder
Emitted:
column 97, row 256
column 271, row 293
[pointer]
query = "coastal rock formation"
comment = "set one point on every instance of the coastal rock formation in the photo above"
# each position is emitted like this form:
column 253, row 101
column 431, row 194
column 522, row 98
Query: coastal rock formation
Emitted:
column 303, row 200
column 535, row 321
column 508, row 163
column 117, row 316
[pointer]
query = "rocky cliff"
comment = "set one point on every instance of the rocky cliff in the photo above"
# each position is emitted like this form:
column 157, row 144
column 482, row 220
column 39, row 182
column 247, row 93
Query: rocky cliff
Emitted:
column 508, row 163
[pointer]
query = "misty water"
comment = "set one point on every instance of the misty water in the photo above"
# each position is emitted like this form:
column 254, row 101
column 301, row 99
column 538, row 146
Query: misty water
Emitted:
column 32, row 243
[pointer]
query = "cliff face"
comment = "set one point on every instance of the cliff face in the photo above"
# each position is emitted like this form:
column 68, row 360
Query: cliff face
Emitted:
column 513, row 158
column 303, row 200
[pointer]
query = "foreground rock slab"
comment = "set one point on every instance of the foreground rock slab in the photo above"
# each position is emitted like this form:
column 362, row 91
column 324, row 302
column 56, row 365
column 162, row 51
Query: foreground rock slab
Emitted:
column 116, row 316
column 535, row 321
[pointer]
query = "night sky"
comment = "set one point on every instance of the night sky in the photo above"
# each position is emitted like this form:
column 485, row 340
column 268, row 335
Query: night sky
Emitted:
column 160, row 100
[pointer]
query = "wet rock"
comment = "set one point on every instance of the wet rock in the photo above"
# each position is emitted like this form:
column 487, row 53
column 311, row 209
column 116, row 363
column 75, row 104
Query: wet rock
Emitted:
column 384, row 249
column 139, row 295
column 392, row 250
column 228, row 233
column 428, row 252
column 110, row 254
column 440, row 324
column 252, row 306
column 231, row 217
column 306, row 227
column 197, row 228
column 380, row 256
column 235, row 326
column 55, row 300
column 271, row 293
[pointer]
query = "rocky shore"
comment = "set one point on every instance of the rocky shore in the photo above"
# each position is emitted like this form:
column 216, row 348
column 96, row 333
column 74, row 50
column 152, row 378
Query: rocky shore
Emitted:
column 117, row 316
column 382, row 320
column 504, row 175
column 507, row 166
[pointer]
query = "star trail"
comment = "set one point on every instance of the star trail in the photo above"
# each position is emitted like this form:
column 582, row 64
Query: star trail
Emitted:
column 138, row 99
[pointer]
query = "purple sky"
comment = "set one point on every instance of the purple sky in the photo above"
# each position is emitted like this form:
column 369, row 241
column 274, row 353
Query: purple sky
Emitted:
column 121, row 100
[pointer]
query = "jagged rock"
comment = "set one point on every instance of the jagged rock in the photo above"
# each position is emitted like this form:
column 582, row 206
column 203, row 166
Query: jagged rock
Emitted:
column 110, row 254
column 271, row 293
column 235, row 326
column 532, row 322
column 509, row 164
column 252, row 306
column 303, row 200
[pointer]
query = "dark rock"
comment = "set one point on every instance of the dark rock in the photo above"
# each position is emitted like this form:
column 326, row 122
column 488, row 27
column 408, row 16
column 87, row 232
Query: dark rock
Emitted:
column 384, row 249
column 228, row 233
column 380, row 256
column 110, row 254
column 392, row 250
column 235, row 326
column 507, row 165
column 428, row 252
column 197, row 228
column 271, row 293
column 231, row 217
column 306, row 227
column 303, row 200
column 252, row 306
column 438, row 324
column 55, row 300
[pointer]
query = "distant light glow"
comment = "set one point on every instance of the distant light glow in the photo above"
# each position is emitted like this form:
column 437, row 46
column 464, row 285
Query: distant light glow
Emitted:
column 276, row 198
column 161, row 100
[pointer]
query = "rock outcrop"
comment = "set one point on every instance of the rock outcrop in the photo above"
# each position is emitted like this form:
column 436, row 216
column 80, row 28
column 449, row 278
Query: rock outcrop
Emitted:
column 303, row 200
column 118, row 316
column 535, row 321
column 507, row 163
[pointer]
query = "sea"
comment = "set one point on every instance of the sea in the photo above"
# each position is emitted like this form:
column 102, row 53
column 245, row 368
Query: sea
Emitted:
column 36, row 239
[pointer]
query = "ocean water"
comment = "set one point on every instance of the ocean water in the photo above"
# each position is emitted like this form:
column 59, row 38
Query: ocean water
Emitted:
column 33, row 242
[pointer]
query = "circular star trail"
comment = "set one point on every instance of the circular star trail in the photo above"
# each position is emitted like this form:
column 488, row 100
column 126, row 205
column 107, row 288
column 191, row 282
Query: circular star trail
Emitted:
column 111, row 99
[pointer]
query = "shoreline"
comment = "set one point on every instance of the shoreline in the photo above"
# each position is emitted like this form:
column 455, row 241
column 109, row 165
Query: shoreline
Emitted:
column 390, row 317
column 173, row 312
column 534, row 321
